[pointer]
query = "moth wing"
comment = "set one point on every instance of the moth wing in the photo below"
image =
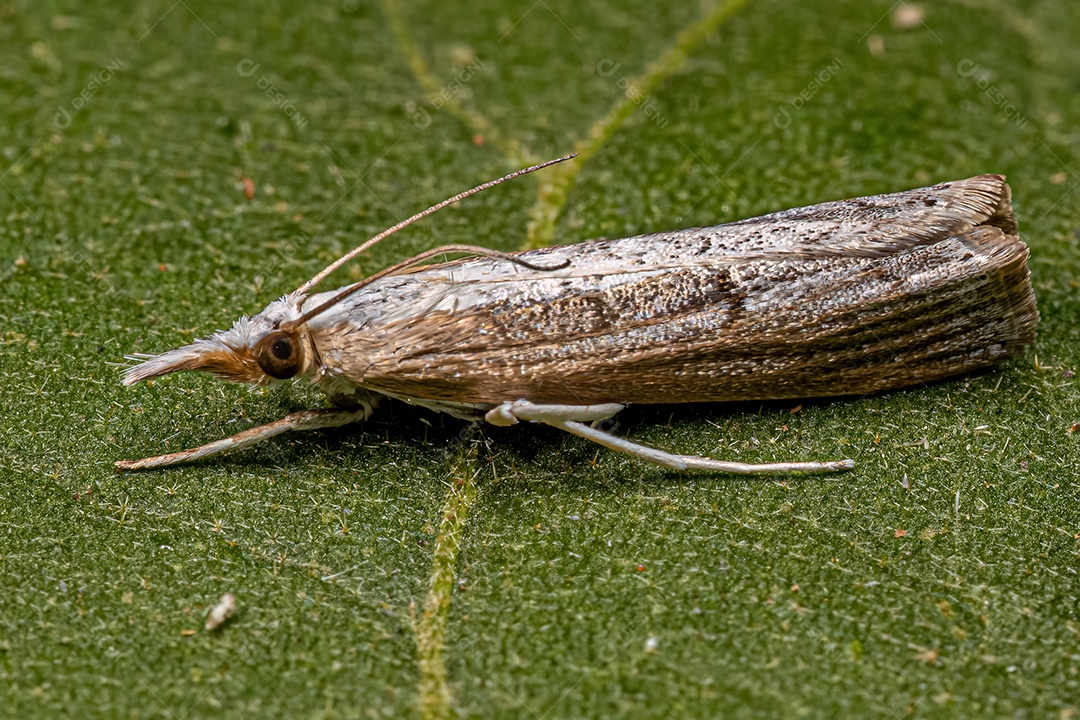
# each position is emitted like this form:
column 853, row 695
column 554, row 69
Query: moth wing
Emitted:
column 769, row 328
column 865, row 227
column 881, row 224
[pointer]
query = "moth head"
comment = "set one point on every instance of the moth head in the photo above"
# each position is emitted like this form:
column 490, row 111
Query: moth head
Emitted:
column 254, row 350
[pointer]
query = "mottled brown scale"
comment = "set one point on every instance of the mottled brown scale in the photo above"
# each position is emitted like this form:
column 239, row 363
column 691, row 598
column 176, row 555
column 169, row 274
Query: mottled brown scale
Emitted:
column 844, row 298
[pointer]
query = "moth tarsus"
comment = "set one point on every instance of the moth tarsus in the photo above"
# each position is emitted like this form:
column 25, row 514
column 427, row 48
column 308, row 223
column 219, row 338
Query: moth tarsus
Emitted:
column 842, row 298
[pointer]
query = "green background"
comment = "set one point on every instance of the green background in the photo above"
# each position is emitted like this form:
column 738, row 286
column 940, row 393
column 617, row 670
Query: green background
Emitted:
column 412, row 567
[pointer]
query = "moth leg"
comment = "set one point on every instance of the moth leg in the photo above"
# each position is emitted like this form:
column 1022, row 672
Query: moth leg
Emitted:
column 303, row 420
column 510, row 412
column 567, row 417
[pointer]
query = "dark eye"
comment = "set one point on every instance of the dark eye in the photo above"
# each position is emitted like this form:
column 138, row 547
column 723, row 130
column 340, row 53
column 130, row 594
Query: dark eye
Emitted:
column 282, row 348
column 279, row 355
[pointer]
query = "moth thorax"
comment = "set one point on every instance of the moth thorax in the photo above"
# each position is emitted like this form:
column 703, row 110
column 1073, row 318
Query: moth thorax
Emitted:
column 280, row 355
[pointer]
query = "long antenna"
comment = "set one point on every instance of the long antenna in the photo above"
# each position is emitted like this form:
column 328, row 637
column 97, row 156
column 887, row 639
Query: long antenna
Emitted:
column 434, row 208
column 351, row 290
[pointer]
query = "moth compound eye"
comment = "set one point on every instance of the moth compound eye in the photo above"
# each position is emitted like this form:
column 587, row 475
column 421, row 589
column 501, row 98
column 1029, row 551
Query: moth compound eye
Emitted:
column 279, row 355
column 282, row 349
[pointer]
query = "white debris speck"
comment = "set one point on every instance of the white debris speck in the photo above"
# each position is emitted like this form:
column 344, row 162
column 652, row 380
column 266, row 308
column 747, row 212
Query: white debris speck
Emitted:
column 906, row 17
column 221, row 612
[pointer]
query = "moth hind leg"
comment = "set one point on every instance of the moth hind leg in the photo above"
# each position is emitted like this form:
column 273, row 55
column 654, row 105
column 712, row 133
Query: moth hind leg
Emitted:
column 572, row 419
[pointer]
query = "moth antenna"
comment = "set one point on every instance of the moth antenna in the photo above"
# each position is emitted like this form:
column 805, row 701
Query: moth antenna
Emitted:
column 434, row 208
column 291, row 325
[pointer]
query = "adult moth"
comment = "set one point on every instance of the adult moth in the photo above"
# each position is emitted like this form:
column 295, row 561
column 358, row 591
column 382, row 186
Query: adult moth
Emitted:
column 842, row 298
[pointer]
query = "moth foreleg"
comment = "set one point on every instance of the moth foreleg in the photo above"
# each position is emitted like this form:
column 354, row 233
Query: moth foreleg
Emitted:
column 568, row 417
column 303, row 420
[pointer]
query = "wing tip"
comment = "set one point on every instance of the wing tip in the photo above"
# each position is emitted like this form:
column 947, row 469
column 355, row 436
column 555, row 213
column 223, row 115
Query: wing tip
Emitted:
column 982, row 200
column 1006, row 257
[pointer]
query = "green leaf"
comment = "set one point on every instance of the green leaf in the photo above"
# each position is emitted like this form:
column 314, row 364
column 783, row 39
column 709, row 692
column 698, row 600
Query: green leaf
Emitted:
column 407, row 567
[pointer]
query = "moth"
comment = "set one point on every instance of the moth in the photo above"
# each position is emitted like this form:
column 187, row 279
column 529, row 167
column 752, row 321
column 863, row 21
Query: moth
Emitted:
column 843, row 298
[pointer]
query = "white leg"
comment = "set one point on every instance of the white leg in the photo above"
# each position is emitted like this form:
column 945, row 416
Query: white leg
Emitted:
column 303, row 420
column 566, row 417
column 510, row 412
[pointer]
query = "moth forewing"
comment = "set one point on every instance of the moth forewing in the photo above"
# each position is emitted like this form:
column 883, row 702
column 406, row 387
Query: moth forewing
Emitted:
column 842, row 298
column 707, row 319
